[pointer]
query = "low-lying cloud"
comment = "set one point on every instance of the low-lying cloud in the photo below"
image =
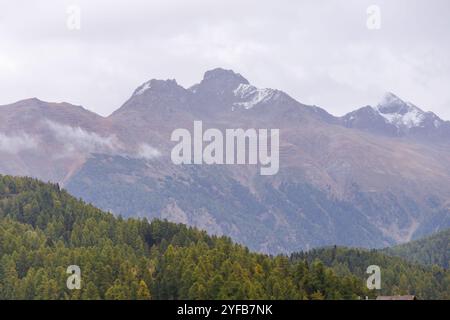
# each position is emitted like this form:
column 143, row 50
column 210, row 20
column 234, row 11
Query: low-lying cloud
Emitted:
column 17, row 143
column 79, row 140
column 147, row 152
column 76, row 139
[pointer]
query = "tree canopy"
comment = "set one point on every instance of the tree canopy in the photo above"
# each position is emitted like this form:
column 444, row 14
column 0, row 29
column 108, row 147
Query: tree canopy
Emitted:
column 43, row 230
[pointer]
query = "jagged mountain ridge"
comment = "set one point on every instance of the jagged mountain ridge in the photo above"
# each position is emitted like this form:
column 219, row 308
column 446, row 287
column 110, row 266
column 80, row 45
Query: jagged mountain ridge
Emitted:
column 338, row 184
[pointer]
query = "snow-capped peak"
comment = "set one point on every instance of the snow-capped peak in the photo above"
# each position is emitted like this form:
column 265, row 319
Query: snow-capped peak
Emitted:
column 251, row 96
column 389, row 98
column 393, row 116
column 400, row 113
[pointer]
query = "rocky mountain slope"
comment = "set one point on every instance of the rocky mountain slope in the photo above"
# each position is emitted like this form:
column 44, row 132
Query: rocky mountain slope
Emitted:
column 375, row 177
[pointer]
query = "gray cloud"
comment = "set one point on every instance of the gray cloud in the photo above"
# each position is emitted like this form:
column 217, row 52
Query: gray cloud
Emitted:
column 319, row 52
column 14, row 144
column 78, row 140
column 147, row 152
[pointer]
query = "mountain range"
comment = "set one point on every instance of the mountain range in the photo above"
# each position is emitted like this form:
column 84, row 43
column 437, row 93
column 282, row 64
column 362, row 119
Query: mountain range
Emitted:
column 375, row 177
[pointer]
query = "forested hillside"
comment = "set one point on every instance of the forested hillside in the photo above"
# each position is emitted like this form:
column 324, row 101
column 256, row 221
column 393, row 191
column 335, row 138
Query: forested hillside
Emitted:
column 43, row 230
column 433, row 250
column 398, row 277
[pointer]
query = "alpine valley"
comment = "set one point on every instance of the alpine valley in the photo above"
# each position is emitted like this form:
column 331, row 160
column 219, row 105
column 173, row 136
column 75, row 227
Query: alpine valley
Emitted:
column 376, row 177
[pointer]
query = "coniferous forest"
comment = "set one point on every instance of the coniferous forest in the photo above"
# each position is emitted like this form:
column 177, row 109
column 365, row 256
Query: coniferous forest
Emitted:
column 44, row 230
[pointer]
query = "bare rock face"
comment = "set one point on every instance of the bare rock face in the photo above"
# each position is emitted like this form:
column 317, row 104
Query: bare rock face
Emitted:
column 377, row 176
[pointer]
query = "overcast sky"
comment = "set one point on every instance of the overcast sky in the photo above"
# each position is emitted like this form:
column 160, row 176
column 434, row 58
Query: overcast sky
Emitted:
column 319, row 52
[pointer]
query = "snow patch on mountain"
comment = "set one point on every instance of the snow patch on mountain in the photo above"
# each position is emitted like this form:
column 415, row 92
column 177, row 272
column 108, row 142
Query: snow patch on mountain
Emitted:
column 410, row 119
column 143, row 88
column 251, row 96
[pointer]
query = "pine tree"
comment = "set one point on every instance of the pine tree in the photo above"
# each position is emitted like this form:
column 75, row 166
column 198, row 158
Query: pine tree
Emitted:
column 90, row 292
column 143, row 293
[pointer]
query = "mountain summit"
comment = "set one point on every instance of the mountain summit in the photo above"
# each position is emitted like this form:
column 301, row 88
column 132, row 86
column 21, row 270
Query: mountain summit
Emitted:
column 156, row 85
column 405, row 115
column 216, row 90
column 395, row 117
column 392, row 104
column 221, row 79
